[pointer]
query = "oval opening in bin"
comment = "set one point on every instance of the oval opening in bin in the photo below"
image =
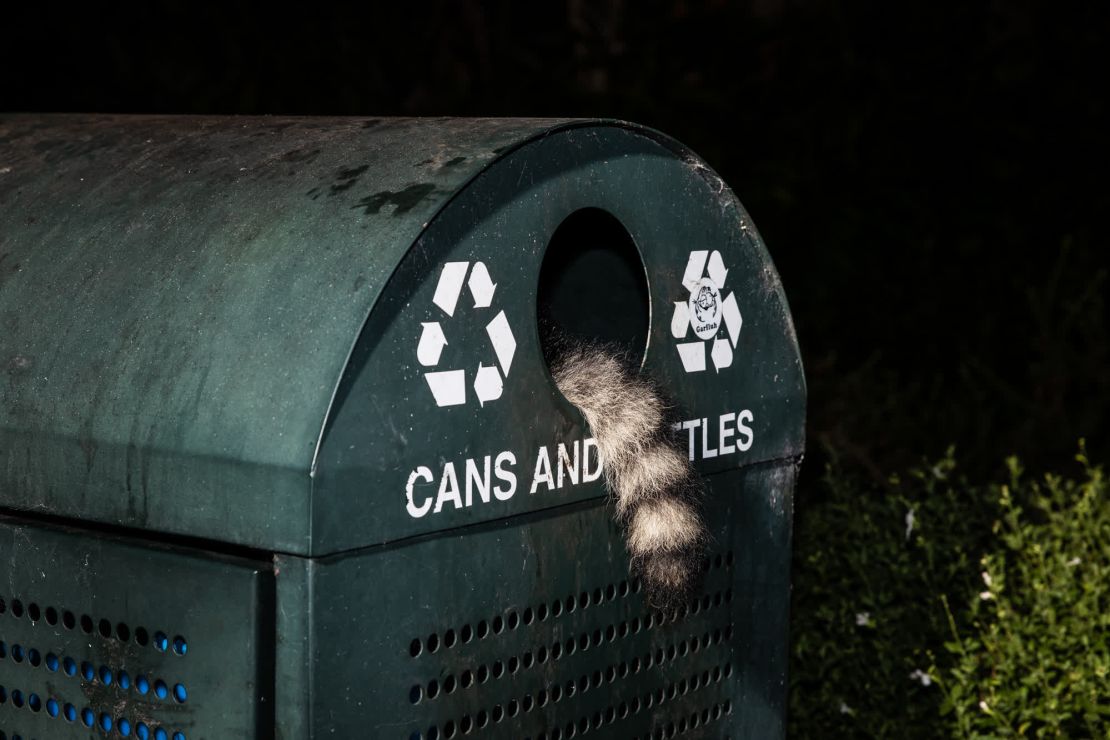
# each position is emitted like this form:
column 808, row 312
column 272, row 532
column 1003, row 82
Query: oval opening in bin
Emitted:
column 593, row 286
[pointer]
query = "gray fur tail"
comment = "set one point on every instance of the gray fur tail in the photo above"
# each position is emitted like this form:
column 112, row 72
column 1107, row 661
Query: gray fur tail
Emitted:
column 656, row 491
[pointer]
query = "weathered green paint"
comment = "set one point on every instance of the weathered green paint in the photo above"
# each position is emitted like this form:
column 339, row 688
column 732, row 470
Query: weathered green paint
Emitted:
column 209, row 328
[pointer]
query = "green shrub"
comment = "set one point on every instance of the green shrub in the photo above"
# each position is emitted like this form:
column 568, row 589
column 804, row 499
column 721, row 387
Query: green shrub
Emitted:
column 1036, row 660
column 895, row 631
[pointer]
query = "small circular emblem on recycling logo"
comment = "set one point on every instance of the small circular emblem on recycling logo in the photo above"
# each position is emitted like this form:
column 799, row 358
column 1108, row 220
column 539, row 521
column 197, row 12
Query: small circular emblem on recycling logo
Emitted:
column 449, row 387
column 704, row 313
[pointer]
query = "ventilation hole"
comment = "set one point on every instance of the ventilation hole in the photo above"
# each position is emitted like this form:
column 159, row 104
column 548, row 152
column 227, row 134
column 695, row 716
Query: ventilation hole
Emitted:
column 483, row 673
column 105, row 675
column 556, row 608
column 466, row 679
column 17, row 608
column 160, row 734
column 51, row 662
column 68, row 620
column 86, row 624
column 179, row 736
column 142, row 731
column 161, row 642
column 528, row 616
column 465, row 724
column 514, row 664
column 180, row 695
column 17, row 653
column 497, row 714
column 141, row 636
column 513, row 708
column 432, row 642
column 142, row 685
column 467, row 633
column 87, row 671
column 416, row 693
column 69, row 665
column 498, row 625
column 513, row 620
column 541, row 612
column 160, row 689
column 415, row 648
column 69, row 712
column 124, row 680
column 34, row 657
column 483, row 630
column 123, row 632
column 449, row 685
column 52, row 707
column 87, row 717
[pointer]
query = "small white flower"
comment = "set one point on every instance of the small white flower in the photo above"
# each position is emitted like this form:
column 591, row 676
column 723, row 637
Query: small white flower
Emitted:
column 983, row 705
column 986, row 595
column 922, row 676
column 987, row 579
column 863, row 619
column 1074, row 562
column 845, row 709
column 909, row 523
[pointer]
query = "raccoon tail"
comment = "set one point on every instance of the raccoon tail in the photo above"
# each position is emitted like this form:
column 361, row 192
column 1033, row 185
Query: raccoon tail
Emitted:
column 656, row 491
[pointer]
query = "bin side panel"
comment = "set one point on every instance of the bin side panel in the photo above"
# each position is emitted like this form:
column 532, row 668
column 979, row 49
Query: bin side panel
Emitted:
column 119, row 633
column 521, row 627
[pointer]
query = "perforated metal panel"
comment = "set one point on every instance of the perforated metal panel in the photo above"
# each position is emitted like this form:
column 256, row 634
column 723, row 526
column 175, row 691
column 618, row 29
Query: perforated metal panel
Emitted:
column 102, row 637
column 485, row 632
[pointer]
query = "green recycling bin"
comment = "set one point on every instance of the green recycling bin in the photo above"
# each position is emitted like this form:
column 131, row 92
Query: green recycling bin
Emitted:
column 281, row 455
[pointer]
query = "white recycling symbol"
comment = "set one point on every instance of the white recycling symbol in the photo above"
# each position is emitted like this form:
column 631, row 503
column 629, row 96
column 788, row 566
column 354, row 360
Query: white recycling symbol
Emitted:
column 704, row 312
column 449, row 386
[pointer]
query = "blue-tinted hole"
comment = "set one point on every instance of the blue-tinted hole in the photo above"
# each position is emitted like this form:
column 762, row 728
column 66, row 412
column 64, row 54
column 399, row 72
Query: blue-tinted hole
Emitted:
column 3, row 695
column 124, row 727
column 17, row 697
column 105, row 675
column 70, row 712
column 160, row 689
column 88, row 717
column 88, row 671
column 17, row 653
column 142, row 684
column 69, row 665
column 160, row 734
column 34, row 702
column 34, row 657
column 52, row 707
column 124, row 680
column 106, row 722
column 3, row 650
column 142, row 731
column 179, row 693
column 51, row 662
column 180, row 646
column 161, row 642
column 179, row 736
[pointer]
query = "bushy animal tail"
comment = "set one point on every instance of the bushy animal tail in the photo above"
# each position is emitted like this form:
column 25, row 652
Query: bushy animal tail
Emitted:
column 656, row 490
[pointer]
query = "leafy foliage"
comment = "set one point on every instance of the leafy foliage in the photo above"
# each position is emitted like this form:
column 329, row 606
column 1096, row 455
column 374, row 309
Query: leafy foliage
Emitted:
column 936, row 607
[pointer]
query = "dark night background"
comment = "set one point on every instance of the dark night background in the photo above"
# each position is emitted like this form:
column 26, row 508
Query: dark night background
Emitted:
column 931, row 181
